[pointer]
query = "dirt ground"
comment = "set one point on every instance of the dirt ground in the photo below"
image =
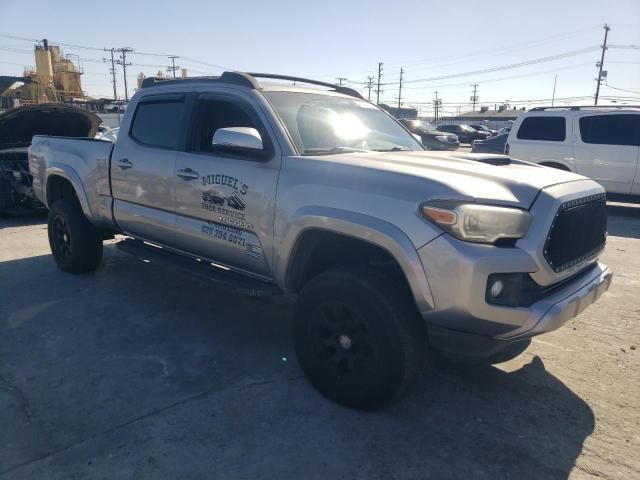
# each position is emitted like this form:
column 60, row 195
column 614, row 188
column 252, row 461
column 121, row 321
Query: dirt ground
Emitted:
column 139, row 372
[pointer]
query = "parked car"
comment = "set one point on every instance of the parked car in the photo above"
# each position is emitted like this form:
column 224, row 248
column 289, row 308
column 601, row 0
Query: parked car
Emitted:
column 484, row 128
column 17, row 127
column 504, row 130
column 465, row 133
column 490, row 145
column 384, row 244
column 429, row 136
column 602, row 143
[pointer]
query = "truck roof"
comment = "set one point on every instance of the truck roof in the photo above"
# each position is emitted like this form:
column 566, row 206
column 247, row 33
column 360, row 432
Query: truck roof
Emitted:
column 249, row 80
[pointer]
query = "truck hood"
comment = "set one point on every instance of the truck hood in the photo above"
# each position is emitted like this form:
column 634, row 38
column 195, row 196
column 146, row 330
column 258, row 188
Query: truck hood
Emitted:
column 487, row 178
column 19, row 125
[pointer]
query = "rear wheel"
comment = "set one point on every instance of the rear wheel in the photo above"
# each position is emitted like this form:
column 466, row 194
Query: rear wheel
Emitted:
column 75, row 243
column 358, row 337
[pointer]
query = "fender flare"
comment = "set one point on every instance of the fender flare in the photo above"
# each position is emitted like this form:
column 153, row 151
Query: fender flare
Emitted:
column 361, row 227
column 73, row 178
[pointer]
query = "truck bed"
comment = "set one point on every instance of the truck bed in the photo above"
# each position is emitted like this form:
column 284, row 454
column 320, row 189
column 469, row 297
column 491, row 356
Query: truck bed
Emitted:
column 82, row 161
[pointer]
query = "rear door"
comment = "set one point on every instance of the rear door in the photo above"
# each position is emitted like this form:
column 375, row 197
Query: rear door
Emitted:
column 225, row 203
column 606, row 149
column 142, row 168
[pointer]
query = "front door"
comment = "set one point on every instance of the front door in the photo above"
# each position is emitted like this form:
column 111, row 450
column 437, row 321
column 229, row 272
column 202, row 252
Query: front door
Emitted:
column 606, row 149
column 142, row 168
column 225, row 203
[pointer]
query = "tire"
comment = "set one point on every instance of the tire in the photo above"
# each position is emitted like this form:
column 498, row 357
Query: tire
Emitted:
column 76, row 245
column 358, row 337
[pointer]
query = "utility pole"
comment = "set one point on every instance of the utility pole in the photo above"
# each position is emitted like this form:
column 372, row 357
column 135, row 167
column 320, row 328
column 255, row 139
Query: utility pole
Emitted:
column 553, row 97
column 113, row 73
column 123, row 62
column 436, row 104
column 400, row 87
column 340, row 80
column 601, row 63
column 378, row 91
column 369, row 86
column 474, row 97
column 173, row 68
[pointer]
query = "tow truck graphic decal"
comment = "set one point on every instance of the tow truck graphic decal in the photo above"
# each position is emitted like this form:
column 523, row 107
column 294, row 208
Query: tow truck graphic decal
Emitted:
column 213, row 198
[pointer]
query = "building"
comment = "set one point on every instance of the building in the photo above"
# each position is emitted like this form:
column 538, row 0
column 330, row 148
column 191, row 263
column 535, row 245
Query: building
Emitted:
column 500, row 116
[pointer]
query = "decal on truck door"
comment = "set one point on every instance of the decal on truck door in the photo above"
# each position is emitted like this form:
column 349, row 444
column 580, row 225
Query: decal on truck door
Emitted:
column 233, row 235
column 228, row 205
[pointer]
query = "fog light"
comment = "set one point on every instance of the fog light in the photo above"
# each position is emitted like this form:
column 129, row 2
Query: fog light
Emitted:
column 497, row 288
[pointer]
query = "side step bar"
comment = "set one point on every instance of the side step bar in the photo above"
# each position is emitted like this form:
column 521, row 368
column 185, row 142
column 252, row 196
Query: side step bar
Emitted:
column 199, row 268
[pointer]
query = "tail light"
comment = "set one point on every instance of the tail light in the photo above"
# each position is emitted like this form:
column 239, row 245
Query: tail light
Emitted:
column 506, row 148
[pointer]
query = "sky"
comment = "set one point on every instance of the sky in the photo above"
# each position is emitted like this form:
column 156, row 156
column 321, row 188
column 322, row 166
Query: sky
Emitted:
column 441, row 46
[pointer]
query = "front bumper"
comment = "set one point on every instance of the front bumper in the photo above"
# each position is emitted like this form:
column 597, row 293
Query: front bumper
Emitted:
column 460, row 284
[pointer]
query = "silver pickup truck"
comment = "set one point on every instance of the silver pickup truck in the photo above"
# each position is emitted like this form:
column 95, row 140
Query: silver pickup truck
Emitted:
column 390, row 249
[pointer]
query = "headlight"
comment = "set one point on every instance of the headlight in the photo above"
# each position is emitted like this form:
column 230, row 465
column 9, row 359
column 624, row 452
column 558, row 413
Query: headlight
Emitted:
column 441, row 138
column 478, row 223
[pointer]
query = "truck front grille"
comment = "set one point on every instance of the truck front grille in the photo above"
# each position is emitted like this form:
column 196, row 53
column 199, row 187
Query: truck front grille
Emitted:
column 578, row 232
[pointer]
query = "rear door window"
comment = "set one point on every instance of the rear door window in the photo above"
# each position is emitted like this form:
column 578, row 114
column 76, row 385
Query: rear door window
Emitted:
column 549, row 129
column 611, row 129
column 158, row 123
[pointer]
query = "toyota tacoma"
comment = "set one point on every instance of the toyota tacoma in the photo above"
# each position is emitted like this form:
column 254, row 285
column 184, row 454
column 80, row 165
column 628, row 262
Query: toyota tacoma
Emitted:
column 309, row 190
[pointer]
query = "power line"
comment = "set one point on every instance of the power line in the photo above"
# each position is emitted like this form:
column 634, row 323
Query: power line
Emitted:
column 621, row 89
column 625, row 47
column 510, row 66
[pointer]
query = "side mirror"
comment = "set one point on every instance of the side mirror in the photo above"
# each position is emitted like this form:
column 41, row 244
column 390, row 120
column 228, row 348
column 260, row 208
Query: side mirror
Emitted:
column 238, row 140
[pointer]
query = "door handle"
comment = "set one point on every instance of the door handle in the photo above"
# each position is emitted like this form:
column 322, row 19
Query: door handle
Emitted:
column 188, row 174
column 124, row 164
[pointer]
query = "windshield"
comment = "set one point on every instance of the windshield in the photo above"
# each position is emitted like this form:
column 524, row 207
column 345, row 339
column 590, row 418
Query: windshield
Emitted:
column 324, row 124
column 467, row 128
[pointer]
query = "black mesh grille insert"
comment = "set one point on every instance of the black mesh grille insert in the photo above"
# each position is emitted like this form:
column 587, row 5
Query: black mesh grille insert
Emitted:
column 578, row 232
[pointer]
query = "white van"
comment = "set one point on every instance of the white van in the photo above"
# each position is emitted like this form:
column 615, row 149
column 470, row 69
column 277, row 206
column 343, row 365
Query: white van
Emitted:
column 602, row 143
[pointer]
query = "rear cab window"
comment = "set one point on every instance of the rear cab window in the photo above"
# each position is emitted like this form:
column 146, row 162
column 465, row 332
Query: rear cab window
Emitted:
column 619, row 129
column 543, row 128
column 157, row 122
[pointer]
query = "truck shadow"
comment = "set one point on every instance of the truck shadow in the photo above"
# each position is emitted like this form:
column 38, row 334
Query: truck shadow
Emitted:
column 23, row 219
column 134, row 362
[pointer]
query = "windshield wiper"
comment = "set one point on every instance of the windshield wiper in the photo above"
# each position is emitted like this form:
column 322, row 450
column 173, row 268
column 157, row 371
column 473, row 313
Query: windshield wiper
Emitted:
column 331, row 151
column 397, row 148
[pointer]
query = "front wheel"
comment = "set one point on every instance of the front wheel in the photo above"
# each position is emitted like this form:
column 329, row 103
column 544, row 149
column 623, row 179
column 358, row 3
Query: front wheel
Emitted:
column 75, row 243
column 358, row 337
